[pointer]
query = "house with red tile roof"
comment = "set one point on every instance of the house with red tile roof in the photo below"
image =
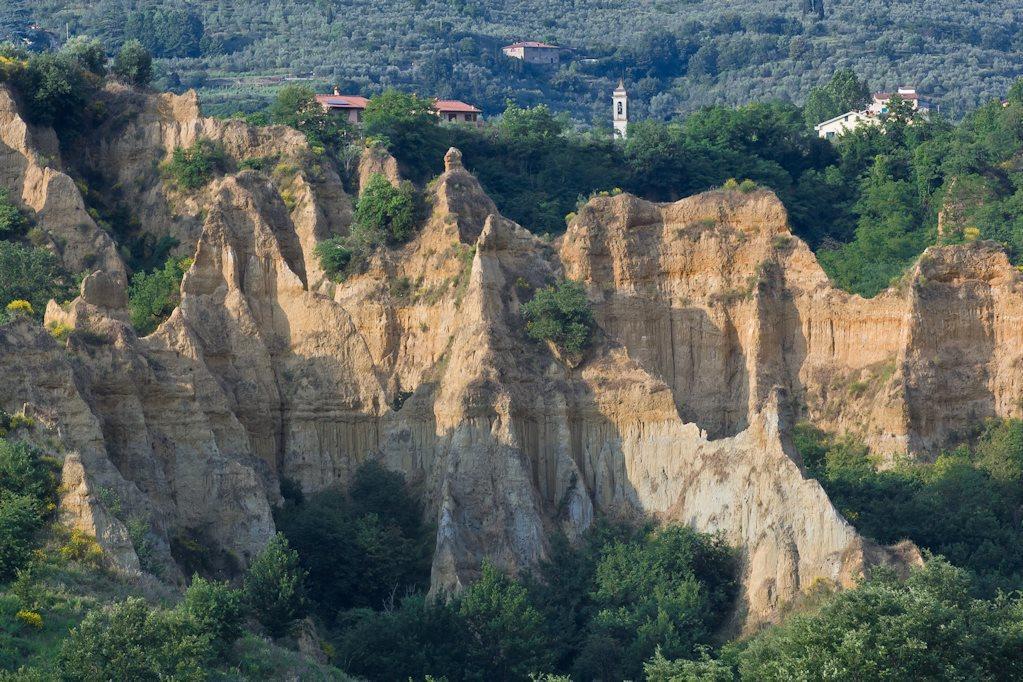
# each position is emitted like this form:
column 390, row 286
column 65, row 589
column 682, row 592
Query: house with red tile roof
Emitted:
column 352, row 108
column 533, row 52
column 349, row 106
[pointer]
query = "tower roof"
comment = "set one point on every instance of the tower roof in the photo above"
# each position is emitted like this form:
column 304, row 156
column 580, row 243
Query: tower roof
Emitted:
column 621, row 87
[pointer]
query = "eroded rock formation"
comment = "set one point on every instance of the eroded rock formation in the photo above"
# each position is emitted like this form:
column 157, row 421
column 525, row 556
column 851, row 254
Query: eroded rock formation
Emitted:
column 717, row 330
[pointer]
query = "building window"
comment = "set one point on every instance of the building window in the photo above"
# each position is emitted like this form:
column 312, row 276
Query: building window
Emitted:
column 621, row 109
column 452, row 117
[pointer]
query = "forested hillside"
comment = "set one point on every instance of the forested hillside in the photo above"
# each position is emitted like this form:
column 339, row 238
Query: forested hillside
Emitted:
column 676, row 55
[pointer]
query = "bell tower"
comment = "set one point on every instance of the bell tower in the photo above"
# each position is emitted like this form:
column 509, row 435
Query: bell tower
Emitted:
column 620, row 111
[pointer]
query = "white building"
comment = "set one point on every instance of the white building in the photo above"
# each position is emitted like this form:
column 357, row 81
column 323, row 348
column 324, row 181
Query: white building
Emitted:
column 844, row 123
column 533, row 52
column 620, row 111
column 879, row 106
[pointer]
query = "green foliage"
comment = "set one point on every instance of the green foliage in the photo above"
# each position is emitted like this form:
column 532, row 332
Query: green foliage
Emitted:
column 133, row 64
column 20, row 519
column 131, row 641
column 165, row 31
column 12, row 221
column 193, row 167
column 296, row 106
column 508, row 633
column 360, row 549
column 557, row 620
column 925, row 628
column 275, row 587
column 669, row 589
column 844, row 92
column 88, row 53
column 56, row 89
column 889, row 236
column 964, row 506
column 420, row 638
column 33, row 275
column 384, row 213
column 705, row 669
column 216, row 609
column 153, row 296
column 560, row 314
column 335, row 256
column 407, row 126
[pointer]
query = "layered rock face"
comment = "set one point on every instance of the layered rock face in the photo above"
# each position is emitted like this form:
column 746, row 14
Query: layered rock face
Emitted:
column 717, row 330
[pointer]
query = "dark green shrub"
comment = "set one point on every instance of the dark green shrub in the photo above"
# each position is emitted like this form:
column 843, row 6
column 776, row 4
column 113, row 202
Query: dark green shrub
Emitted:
column 194, row 167
column 420, row 638
column 12, row 221
column 385, row 213
column 31, row 274
column 131, row 641
column 20, row 519
column 153, row 296
column 963, row 506
column 133, row 64
column 296, row 106
column 408, row 127
column 560, row 314
column 335, row 256
column 925, row 628
column 25, row 470
column 88, row 54
column 217, row 610
column 275, row 587
column 361, row 549
column 509, row 639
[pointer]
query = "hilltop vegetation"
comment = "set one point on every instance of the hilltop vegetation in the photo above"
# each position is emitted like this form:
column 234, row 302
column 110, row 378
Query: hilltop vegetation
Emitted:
column 677, row 57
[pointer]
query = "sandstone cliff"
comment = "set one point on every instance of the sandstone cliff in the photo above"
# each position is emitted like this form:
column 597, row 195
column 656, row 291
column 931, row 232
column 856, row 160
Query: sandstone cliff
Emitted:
column 717, row 330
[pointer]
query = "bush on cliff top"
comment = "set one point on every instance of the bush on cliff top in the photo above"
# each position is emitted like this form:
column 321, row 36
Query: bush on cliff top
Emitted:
column 560, row 314
column 193, row 167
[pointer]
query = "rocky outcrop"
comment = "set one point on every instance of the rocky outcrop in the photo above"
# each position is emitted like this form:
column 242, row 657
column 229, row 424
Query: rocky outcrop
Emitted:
column 31, row 170
column 717, row 331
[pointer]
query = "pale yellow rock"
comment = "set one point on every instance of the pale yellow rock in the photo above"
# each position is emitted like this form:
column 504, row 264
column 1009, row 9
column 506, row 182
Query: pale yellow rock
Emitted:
column 717, row 331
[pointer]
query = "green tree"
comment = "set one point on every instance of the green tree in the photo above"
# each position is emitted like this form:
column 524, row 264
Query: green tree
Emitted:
column 530, row 123
column 153, row 296
column 88, row 53
column 133, row 64
column 33, row 275
column 925, row 628
column 385, row 213
column 560, row 314
column 296, row 106
column 507, row 632
column 408, row 127
column 420, row 639
column 275, row 587
column 671, row 590
column 361, row 549
column 844, row 92
column 131, row 641
column 12, row 220
column 335, row 255
column 193, row 167
column 20, row 518
column 217, row 610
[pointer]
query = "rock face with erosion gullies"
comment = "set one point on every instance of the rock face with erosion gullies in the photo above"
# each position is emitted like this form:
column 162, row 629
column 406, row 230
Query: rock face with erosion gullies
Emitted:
column 717, row 331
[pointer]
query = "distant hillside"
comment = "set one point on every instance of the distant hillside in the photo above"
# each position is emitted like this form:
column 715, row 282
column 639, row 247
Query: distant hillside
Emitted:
column 677, row 55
